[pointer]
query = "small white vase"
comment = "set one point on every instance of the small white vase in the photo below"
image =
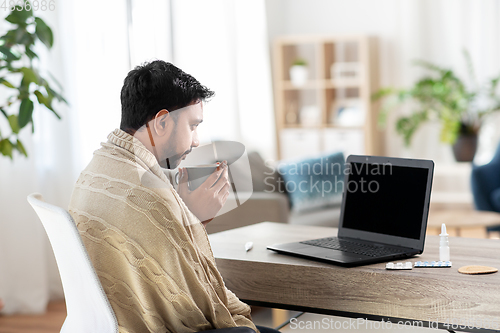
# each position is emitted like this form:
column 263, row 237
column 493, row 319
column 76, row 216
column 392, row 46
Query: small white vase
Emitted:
column 298, row 75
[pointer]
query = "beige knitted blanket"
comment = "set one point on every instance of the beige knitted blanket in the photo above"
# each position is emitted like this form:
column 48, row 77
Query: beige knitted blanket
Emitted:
column 152, row 255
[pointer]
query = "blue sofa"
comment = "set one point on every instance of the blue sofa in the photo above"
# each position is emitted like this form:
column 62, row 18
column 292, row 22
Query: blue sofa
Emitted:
column 485, row 185
column 270, row 202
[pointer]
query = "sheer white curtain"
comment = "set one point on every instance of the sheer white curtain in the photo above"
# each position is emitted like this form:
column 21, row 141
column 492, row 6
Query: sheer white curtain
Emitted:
column 90, row 60
column 28, row 274
column 223, row 43
column 150, row 31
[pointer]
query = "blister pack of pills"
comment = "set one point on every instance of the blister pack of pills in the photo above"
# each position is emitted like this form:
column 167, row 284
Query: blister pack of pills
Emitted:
column 399, row 265
column 425, row 264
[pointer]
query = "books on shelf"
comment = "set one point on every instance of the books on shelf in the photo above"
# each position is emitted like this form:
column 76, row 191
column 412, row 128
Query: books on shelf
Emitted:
column 345, row 71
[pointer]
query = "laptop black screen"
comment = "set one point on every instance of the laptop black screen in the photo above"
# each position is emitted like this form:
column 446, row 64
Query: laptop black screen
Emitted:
column 385, row 199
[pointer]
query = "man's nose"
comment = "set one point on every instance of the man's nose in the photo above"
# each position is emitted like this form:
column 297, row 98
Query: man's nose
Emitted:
column 196, row 140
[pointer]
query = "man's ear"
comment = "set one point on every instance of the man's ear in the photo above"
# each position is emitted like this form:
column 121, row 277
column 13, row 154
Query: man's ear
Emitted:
column 161, row 122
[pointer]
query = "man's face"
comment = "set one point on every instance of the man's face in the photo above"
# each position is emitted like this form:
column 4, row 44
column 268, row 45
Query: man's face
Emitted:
column 181, row 135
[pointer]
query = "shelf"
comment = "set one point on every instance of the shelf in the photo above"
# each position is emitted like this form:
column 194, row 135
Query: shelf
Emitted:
column 323, row 84
column 288, row 85
column 342, row 127
column 323, row 126
column 337, row 90
column 301, row 126
column 345, row 83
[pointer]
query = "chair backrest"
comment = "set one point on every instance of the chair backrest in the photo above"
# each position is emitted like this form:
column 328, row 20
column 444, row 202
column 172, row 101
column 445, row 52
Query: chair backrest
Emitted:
column 88, row 308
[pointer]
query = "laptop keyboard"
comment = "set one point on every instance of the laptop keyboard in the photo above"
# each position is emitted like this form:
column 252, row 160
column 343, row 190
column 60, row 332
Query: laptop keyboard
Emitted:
column 353, row 247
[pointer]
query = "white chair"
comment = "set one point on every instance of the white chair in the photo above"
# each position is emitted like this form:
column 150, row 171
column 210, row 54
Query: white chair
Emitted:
column 88, row 308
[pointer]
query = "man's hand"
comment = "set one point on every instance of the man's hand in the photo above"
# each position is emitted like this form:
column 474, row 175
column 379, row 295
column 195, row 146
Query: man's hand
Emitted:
column 206, row 201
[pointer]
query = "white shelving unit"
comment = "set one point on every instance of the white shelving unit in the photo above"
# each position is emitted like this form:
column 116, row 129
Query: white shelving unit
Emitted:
column 332, row 110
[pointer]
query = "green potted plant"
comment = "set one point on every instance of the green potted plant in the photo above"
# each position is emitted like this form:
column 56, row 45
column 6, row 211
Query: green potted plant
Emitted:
column 21, row 76
column 443, row 96
column 299, row 72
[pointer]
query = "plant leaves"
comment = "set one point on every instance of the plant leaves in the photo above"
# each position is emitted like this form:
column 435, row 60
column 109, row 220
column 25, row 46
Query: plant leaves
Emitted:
column 40, row 97
column 19, row 16
column 19, row 35
column 44, row 100
column 14, row 19
column 16, row 44
column 25, row 112
column 14, row 124
column 30, row 53
column 47, row 101
column 382, row 93
column 55, row 113
column 27, row 39
column 470, row 66
column 450, row 130
column 9, row 38
column 30, row 75
column 6, row 147
column 20, row 147
column 56, row 81
column 430, row 66
column 493, row 87
column 6, row 83
column 7, row 54
column 44, row 33
column 407, row 126
column 52, row 92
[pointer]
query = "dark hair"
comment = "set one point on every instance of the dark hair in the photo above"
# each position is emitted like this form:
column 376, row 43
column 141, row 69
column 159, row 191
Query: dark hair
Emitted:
column 154, row 86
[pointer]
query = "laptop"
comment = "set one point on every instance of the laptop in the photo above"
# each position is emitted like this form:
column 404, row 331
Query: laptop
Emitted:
column 385, row 206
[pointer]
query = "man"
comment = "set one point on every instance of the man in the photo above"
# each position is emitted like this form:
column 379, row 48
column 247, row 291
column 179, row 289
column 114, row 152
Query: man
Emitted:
column 146, row 240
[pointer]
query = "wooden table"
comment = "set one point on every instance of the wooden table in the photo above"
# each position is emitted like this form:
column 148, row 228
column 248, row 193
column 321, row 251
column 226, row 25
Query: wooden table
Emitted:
column 437, row 297
column 466, row 222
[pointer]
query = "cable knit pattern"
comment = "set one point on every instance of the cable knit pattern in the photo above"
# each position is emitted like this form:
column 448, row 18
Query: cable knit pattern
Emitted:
column 152, row 255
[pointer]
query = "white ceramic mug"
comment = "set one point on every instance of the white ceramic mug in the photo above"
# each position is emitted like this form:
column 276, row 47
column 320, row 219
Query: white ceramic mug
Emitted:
column 197, row 174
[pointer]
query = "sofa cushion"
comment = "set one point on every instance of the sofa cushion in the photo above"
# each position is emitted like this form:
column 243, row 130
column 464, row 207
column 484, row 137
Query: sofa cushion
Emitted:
column 313, row 182
column 264, row 177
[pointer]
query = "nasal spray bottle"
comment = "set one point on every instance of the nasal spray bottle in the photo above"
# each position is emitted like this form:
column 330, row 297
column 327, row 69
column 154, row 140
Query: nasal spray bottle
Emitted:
column 444, row 246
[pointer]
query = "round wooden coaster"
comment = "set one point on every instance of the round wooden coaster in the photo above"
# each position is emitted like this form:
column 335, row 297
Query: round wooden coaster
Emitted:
column 474, row 269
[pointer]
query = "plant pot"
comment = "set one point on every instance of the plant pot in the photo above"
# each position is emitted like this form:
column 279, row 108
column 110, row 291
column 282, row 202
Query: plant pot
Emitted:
column 298, row 75
column 465, row 147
